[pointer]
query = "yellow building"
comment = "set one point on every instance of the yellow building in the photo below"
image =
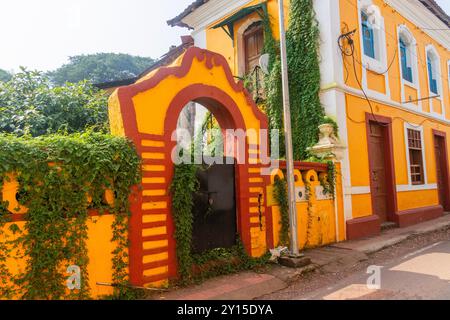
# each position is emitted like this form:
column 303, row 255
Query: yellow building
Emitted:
column 385, row 79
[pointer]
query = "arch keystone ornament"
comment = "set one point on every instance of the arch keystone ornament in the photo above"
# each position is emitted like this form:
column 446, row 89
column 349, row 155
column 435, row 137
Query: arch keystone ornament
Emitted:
column 147, row 113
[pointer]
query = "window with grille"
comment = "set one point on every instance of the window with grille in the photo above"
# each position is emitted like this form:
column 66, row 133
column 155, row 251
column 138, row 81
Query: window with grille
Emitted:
column 415, row 156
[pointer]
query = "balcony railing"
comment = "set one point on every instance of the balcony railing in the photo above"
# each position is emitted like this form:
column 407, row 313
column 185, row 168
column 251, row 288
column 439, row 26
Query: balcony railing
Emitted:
column 254, row 83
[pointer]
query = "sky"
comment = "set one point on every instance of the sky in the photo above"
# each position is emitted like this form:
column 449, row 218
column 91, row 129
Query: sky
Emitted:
column 42, row 34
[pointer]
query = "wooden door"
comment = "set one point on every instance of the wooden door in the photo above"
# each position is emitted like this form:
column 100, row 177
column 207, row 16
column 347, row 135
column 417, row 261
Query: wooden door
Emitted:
column 254, row 45
column 378, row 170
column 441, row 169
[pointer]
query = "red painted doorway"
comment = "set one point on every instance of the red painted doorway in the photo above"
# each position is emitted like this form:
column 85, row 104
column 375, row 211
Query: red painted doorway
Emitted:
column 440, row 151
column 381, row 167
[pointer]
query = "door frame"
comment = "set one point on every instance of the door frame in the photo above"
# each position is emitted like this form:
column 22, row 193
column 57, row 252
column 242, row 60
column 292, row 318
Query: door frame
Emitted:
column 391, row 185
column 443, row 135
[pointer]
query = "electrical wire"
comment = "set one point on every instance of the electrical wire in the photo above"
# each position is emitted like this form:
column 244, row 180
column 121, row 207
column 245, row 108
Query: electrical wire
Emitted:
column 351, row 43
column 423, row 65
column 387, row 70
column 433, row 29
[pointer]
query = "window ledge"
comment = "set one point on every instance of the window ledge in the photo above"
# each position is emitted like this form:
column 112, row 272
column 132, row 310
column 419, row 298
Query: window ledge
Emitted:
column 416, row 187
column 374, row 65
column 410, row 84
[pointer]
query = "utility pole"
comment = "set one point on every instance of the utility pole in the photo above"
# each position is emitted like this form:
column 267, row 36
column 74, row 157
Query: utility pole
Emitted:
column 288, row 135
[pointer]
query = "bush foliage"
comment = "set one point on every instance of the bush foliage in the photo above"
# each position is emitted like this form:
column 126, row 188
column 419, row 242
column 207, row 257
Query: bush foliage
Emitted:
column 31, row 105
column 58, row 174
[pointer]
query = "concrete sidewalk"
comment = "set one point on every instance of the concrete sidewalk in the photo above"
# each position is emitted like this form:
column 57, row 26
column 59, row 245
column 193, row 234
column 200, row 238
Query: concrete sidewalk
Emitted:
column 250, row 285
column 394, row 236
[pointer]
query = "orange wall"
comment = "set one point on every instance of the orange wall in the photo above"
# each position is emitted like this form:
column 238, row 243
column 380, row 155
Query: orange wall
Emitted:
column 100, row 248
column 218, row 41
column 359, row 160
column 357, row 107
column 392, row 19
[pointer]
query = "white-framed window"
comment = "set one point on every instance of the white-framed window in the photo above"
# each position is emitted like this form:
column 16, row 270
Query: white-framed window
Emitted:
column 415, row 155
column 448, row 73
column 241, row 44
column 373, row 36
column 433, row 71
column 407, row 52
column 408, row 55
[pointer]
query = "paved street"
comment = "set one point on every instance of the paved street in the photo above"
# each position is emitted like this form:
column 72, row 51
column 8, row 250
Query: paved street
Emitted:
column 416, row 268
column 421, row 274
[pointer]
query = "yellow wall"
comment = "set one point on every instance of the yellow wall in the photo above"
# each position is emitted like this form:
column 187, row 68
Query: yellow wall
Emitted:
column 99, row 244
column 100, row 248
column 218, row 41
column 316, row 218
column 170, row 86
column 392, row 19
column 356, row 108
column 359, row 160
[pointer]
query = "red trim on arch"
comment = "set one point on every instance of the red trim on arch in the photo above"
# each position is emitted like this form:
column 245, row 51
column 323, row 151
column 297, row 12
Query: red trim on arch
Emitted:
column 228, row 115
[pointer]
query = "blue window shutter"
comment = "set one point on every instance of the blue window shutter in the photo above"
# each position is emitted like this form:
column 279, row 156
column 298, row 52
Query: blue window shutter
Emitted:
column 404, row 62
column 409, row 74
column 368, row 37
column 433, row 82
column 406, row 70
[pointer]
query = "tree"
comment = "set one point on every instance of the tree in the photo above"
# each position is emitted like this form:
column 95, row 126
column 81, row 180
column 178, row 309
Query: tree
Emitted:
column 100, row 67
column 30, row 104
column 4, row 76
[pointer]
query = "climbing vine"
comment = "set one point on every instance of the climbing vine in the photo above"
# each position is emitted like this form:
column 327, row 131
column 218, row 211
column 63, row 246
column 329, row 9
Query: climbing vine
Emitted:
column 184, row 185
column 280, row 195
column 6, row 287
column 62, row 178
column 304, row 79
column 194, row 267
column 222, row 261
column 310, row 216
column 330, row 185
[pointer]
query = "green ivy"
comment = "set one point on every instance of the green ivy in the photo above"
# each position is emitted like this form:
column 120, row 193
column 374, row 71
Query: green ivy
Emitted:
column 307, row 112
column 281, row 196
column 183, row 187
column 56, row 174
column 222, row 261
column 273, row 105
column 196, row 267
column 330, row 185
column 6, row 288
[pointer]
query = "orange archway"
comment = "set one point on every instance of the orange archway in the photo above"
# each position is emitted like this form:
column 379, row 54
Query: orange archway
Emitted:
column 147, row 112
